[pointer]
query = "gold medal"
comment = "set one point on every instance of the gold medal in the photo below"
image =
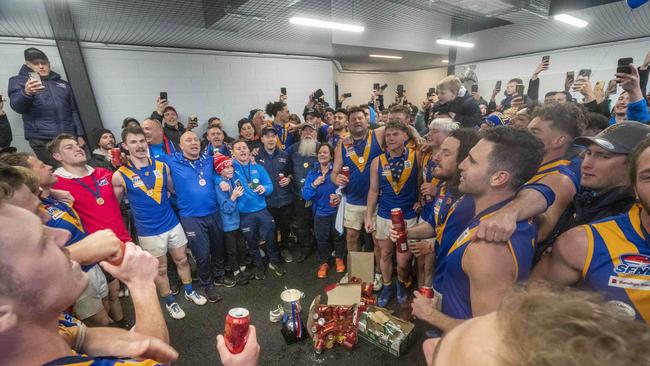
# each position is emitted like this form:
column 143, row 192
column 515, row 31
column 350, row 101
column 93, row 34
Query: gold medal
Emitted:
column 149, row 192
column 202, row 182
column 146, row 173
column 361, row 160
column 306, row 165
column 99, row 200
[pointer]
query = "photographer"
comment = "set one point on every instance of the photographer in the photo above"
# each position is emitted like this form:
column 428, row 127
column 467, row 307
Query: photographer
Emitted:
column 45, row 102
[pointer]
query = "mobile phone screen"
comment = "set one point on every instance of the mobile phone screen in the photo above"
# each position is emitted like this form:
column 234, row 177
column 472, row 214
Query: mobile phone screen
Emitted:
column 475, row 88
column 546, row 59
column 163, row 95
column 375, row 86
column 623, row 65
column 283, row 91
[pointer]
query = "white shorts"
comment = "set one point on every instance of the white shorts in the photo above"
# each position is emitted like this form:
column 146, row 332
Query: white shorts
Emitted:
column 354, row 216
column 382, row 226
column 157, row 245
column 90, row 301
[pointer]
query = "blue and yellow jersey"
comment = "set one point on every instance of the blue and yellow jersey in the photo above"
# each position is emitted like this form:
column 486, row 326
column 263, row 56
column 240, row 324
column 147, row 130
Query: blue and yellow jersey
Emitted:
column 427, row 165
column 64, row 216
column 455, row 284
column 557, row 166
column 618, row 263
column 76, row 359
column 146, row 190
column 283, row 137
column 454, row 215
column 398, row 184
column 358, row 157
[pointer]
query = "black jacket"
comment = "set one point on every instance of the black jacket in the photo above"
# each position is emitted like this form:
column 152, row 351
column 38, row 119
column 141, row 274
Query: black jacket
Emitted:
column 5, row 131
column 172, row 133
column 47, row 113
column 100, row 161
column 466, row 109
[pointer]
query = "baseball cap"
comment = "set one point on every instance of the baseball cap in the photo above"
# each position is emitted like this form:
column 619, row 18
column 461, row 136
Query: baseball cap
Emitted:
column 268, row 129
column 305, row 125
column 311, row 111
column 620, row 138
column 497, row 119
column 32, row 54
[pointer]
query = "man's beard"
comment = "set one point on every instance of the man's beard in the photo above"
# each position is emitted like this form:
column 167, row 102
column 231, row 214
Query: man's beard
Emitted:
column 307, row 147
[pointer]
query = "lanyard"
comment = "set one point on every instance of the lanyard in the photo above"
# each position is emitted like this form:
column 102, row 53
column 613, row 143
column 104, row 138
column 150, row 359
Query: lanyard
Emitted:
column 96, row 192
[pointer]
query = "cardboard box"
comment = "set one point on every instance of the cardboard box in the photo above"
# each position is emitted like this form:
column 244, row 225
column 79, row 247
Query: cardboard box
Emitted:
column 347, row 294
column 379, row 335
column 361, row 265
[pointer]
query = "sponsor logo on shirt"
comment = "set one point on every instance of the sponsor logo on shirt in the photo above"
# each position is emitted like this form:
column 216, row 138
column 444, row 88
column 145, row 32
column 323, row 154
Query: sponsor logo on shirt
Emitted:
column 634, row 264
column 103, row 182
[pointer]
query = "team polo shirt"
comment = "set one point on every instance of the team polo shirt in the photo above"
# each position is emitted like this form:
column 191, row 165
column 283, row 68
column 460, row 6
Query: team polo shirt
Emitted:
column 64, row 216
column 283, row 137
column 194, row 184
column 398, row 184
column 94, row 200
column 358, row 157
column 455, row 284
column 146, row 190
column 618, row 263
column 249, row 176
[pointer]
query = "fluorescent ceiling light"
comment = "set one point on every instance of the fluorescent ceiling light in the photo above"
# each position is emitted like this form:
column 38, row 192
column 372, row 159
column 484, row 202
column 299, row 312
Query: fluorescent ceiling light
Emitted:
column 449, row 42
column 387, row 56
column 325, row 24
column 568, row 19
column 445, row 61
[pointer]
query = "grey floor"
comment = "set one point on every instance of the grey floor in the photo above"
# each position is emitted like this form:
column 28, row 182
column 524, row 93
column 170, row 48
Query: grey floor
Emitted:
column 194, row 336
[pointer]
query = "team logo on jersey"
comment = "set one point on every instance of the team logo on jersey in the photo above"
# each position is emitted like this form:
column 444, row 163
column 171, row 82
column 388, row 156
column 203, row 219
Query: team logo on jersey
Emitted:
column 54, row 213
column 156, row 173
column 103, row 182
column 634, row 264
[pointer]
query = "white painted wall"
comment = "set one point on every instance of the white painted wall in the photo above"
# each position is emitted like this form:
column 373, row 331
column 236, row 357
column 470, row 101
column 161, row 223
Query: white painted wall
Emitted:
column 602, row 59
column 126, row 82
column 416, row 84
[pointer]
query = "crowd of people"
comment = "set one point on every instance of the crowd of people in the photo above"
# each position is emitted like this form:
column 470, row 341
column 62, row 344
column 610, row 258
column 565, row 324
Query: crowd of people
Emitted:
column 492, row 195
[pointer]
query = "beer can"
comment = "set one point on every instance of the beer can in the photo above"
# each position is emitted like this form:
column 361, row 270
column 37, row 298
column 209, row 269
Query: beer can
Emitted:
column 236, row 333
column 255, row 183
column 346, row 171
column 397, row 219
column 333, row 198
column 319, row 346
column 426, row 292
column 116, row 157
column 280, row 176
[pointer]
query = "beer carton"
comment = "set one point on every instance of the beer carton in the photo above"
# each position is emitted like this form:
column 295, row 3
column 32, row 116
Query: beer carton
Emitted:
column 389, row 333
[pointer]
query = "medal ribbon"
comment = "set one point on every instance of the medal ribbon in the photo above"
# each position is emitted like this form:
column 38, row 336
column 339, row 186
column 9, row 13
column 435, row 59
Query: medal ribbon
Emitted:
column 283, row 132
column 406, row 172
column 157, row 188
column 352, row 154
column 96, row 192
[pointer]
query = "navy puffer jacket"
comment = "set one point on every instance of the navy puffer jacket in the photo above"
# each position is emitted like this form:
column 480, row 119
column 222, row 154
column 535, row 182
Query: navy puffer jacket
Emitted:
column 47, row 113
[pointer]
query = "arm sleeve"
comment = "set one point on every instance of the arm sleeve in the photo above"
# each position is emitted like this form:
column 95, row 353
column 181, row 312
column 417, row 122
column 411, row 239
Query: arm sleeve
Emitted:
column 470, row 115
column 533, row 90
column 265, row 180
column 420, row 123
column 19, row 101
column 638, row 111
column 226, row 205
column 544, row 190
column 380, row 98
column 309, row 192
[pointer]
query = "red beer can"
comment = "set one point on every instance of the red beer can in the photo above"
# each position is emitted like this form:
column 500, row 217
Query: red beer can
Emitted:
column 333, row 198
column 426, row 292
column 280, row 176
column 116, row 157
column 397, row 219
column 236, row 333
column 346, row 171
